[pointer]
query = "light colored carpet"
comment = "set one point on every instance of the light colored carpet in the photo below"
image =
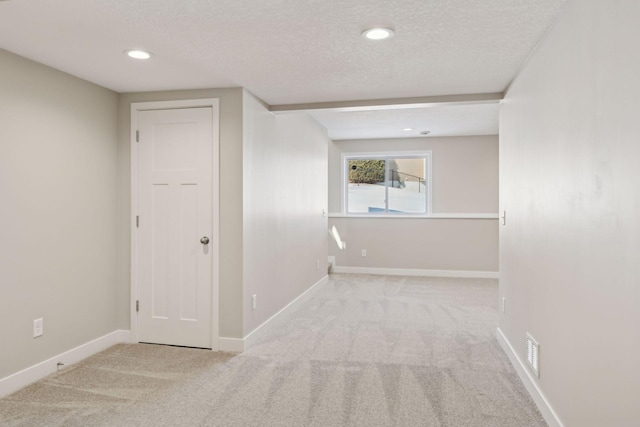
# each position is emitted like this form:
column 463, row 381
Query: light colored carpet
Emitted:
column 364, row 351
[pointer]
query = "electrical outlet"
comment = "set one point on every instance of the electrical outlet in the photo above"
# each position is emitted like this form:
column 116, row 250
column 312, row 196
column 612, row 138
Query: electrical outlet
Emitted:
column 364, row 252
column 504, row 305
column 38, row 327
column 254, row 301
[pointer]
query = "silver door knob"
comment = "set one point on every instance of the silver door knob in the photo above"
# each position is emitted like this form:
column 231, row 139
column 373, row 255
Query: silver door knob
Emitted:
column 204, row 240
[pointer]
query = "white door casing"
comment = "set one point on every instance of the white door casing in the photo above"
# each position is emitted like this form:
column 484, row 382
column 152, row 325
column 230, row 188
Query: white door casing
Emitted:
column 175, row 269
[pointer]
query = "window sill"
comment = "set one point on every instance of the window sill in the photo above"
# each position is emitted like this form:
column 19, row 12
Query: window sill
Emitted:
column 429, row 216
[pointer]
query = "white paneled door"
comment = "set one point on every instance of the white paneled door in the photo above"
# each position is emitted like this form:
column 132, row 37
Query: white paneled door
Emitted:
column 174, row 241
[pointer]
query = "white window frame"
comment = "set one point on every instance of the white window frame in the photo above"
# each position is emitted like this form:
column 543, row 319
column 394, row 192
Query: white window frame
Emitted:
column 388, row 155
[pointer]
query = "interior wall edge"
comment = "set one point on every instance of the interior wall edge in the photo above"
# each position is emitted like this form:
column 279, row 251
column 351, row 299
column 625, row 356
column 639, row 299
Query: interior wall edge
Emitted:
column 236, row 345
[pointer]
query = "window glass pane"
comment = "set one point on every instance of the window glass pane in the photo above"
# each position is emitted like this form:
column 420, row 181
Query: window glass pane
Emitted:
column 407, row 186
column 366, row 192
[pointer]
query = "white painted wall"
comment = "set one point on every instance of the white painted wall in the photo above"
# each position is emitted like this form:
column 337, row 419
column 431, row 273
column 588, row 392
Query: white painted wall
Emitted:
column 58, row 212
column 284, row 192
column 464, row 180
column 570, row 252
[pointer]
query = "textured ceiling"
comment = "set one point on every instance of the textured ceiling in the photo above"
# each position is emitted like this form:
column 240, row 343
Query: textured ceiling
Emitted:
column 283, row 51
column 447, row 120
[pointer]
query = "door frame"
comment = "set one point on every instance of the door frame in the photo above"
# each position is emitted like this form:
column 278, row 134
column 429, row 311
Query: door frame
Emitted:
column 214, row 104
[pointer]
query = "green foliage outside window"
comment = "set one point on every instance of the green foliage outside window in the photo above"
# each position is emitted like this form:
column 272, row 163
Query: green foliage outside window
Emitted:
column 366, row 171
column 372, row 172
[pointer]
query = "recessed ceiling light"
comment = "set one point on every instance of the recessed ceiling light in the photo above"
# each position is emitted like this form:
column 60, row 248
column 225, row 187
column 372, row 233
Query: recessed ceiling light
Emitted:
column 407, row 129
column 378, row 33
column 138, row 54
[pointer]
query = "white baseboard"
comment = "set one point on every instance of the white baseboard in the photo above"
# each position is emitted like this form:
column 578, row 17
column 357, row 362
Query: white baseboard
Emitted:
column 238, row 345
column 417, row 272
column 21, row 379
column 530, row 383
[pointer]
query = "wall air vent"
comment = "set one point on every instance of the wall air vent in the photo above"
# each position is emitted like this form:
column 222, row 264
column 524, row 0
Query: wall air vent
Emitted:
column 533, row 355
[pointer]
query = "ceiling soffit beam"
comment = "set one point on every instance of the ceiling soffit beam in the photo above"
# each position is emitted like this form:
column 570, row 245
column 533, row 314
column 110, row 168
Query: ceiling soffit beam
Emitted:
column 391, row 104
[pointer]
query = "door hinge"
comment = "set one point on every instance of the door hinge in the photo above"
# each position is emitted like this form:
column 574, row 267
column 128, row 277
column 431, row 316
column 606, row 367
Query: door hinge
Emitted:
column 137, row 221
column 137, row 306
column 137, row 136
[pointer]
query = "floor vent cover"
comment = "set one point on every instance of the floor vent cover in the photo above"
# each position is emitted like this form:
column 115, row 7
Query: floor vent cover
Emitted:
column 533, row 350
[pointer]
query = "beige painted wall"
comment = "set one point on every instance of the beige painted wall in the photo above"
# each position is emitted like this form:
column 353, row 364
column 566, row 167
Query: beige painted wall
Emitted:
column 423, row 244
column 464, row 170
column 464, row 179
column 285, row 191
column 58, row 212
column 230, row 202
column 570, row 252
